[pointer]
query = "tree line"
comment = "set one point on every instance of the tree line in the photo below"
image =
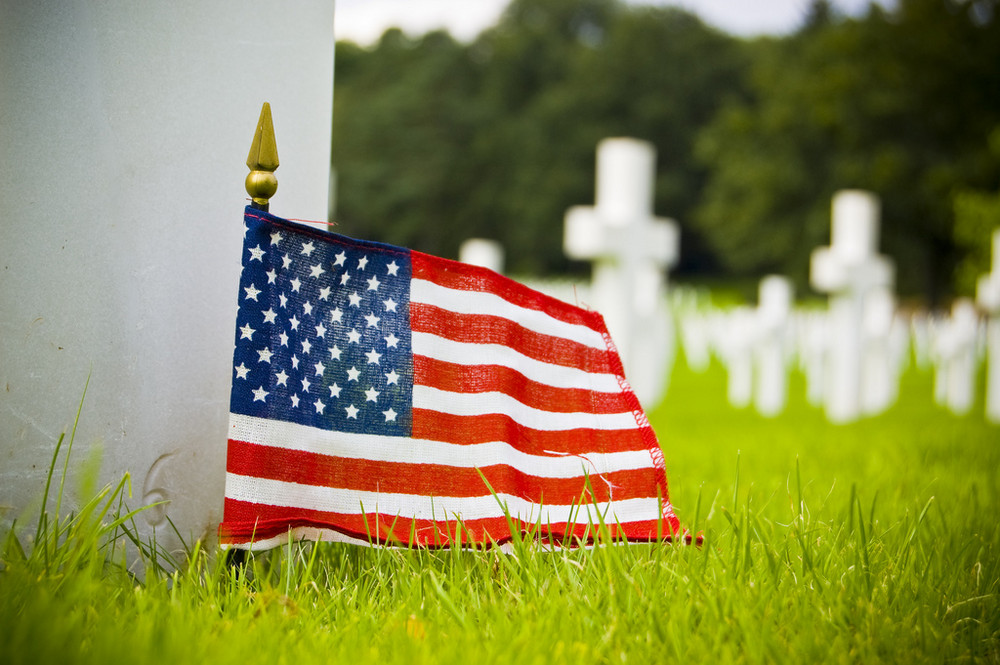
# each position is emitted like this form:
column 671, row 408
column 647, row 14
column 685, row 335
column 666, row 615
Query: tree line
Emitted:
column 435, row 140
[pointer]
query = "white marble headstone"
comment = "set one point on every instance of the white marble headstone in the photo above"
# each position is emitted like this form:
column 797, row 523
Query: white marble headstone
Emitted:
column 125, row 130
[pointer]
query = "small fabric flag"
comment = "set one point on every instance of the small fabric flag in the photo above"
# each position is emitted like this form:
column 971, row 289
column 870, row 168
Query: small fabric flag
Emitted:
column 384, row 396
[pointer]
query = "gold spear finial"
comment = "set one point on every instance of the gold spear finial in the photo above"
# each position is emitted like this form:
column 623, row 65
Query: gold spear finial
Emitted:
column 261, row 182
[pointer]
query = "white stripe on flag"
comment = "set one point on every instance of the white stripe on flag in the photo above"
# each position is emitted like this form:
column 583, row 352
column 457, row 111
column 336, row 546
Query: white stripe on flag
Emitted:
column 487, row 403
column 557, row 376
column 478, row 302
column 356, row 502
column 377, row 448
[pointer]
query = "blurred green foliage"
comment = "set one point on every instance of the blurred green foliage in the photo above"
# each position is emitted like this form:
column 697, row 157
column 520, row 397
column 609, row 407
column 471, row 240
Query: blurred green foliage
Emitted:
column 977, row 215
column 435, row 141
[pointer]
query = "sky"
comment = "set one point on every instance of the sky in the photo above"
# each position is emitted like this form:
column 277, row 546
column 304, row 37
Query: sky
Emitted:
column 363, row 21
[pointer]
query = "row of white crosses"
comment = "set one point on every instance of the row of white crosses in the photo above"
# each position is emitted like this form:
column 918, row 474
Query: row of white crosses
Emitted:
column 852, row 354
column 845, row 352
column 753, row 344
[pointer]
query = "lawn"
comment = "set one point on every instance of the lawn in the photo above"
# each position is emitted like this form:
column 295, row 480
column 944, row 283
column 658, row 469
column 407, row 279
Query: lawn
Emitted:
column 878, row 541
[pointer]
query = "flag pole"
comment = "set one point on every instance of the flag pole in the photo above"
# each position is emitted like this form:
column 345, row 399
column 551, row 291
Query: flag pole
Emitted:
column 261, row 183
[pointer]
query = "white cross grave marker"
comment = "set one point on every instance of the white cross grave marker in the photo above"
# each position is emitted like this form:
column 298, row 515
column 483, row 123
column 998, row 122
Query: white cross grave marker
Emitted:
column 482, row 252
column 630, row 249
column 849, row 270
column 957, row 357
column 734, row 339
column 880, row 352
column 693, row 328
column 771, row 344
column 814, row 337
column 988, row 299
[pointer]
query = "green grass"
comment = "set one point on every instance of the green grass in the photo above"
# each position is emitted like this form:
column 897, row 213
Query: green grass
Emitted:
column 877, row 541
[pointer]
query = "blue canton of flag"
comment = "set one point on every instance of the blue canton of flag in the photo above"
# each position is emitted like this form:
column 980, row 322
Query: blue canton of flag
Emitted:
column 322, row 333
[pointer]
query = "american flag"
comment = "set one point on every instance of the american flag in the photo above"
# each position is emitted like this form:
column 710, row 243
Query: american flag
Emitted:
column 381, row 395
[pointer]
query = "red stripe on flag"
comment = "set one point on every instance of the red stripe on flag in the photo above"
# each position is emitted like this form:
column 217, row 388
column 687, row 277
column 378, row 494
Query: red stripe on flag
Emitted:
column 246, row 521
column 296, row 466
column 449, row 428
column 486, row 378
column 455, row 275
column 486, row 329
